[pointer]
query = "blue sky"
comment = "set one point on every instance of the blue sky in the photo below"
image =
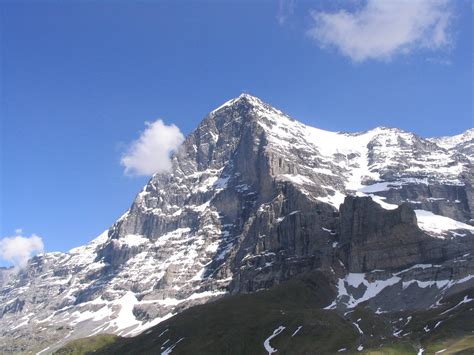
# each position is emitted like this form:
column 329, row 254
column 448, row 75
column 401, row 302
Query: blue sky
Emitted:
column 79, row 80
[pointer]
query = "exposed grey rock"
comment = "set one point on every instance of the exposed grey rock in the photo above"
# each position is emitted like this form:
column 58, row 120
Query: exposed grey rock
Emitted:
column 252, row 200
column 375, row 238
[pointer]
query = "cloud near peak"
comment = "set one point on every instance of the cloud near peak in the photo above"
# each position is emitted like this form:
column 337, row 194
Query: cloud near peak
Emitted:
column 18, row 249
column 150, row 153
column 382, row 29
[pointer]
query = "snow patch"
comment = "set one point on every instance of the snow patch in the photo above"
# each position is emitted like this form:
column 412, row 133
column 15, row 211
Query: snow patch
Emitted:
column 168, row 350
column 439, row 226
column 266, row 343
column 372, row 289
column 132, row 240
column 296, row 331
column 334, row 200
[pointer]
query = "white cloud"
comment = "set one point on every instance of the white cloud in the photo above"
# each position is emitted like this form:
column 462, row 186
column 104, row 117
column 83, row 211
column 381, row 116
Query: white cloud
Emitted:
column 382, row 29
column 150, row 153
column 286, row 8
column 19, row 249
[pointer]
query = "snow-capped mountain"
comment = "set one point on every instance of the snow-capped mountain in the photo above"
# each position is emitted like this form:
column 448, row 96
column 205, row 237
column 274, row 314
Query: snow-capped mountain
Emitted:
column 255, row 198
column 462, row 142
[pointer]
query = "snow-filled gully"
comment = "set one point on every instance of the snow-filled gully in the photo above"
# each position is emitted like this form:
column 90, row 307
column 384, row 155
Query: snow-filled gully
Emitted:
column 266, row 343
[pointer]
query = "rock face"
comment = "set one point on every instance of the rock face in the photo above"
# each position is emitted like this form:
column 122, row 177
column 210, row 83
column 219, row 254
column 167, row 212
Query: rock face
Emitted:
column 253, row 199
column 374, row 238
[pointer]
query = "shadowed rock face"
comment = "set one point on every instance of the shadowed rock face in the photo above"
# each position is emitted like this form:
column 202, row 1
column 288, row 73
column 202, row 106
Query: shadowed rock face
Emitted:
column 454, row 201
column 253, row 199
column 284, row 238
column 374, row 238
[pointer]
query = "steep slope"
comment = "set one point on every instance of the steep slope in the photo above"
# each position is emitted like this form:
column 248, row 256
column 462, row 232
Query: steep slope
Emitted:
column 252, row 200
column 291, row 319
column 462, row 142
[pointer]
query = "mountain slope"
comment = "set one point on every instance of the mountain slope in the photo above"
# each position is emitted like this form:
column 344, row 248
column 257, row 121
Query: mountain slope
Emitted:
column 462, row 143
column 291, row 318
column 253, row 200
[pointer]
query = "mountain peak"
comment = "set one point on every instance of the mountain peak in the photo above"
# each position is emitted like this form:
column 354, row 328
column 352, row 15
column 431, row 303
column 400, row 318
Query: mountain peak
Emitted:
column 251, row 100
column 253, row 198
column 462, row 142
column 247, row 96
column 242, row 98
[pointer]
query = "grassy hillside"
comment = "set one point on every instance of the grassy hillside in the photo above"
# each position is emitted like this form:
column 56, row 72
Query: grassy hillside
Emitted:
column 87, row 345
column 240, row 324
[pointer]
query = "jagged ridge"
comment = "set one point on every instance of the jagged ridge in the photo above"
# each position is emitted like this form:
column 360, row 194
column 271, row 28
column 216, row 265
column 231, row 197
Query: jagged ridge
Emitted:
column 252, row 200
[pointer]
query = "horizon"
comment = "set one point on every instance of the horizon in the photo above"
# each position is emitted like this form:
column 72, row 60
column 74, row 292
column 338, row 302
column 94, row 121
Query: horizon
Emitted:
column 84, row 82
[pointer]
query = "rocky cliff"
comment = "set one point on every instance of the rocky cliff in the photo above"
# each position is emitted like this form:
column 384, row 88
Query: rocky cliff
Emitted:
column 255, row 198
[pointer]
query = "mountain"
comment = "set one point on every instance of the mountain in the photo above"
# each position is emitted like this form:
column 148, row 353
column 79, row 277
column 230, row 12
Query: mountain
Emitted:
column 256, row 199
column 461, row 142
column 290, row 319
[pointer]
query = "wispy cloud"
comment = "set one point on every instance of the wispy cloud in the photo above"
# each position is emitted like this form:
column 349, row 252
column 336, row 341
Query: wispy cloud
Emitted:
column 380, row 30
column 286, row 8
column 150, row 153
column 439, row 61
column 18, row 249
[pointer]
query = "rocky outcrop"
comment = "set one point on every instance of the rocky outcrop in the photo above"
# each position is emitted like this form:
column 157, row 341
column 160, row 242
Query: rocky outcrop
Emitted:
column 290, row 235
column 454, row 201
column 374, row 238
column 252, row 200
